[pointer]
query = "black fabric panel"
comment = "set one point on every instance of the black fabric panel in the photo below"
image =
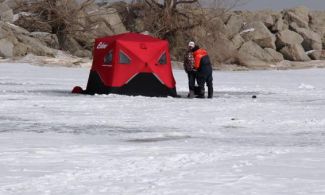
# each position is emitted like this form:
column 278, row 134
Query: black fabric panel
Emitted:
column 145, row 84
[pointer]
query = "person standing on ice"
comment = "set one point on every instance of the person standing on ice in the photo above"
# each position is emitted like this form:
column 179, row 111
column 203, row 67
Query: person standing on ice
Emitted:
column 203, row 66
column 189, row 69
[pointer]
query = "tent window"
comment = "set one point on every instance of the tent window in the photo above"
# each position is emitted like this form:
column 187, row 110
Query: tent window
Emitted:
column 109, row 58
column 124, row 59
column 163, row 59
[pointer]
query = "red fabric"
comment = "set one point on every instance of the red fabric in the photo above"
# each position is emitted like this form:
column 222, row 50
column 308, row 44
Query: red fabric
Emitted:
column 144, row 52
column 198, row 55
column 77, row 90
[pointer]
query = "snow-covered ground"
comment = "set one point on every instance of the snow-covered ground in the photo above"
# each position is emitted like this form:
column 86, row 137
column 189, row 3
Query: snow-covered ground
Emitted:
column 54, row 142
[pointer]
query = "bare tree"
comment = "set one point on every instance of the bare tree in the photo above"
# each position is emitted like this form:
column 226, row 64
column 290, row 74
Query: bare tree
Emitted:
column 182, row 20
column 165, row 18
column 64, row 17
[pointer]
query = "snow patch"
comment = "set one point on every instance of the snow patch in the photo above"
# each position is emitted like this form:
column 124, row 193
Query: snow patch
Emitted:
column 306, row 86
column 247, row 31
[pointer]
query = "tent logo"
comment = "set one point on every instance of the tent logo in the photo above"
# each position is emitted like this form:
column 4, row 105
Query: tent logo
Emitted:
column 102, row 45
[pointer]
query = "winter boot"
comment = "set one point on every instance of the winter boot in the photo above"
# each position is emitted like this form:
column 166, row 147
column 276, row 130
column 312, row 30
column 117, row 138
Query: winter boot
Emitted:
column 210, row 93
column 201, row 94
column 191, row 94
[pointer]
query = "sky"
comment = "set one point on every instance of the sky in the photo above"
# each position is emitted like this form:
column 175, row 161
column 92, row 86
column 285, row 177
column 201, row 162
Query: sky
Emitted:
column 282, row 4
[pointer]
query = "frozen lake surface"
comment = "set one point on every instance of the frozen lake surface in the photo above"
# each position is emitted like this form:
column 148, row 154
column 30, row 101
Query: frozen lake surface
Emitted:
column 54, row 142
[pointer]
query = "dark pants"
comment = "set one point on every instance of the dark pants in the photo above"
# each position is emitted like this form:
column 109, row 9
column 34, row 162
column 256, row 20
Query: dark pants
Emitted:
column 203, row 77
column 191, row 79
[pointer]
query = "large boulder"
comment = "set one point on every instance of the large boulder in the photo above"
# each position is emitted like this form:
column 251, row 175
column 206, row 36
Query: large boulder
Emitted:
column 72, row 45
column 268, row 21
column 217, row 25
column 6, row 32
column 16, row 29
column 235, row 24
column 315, row 55
column 20, row 50
column 237, row 41
column 115, row 21
column 107, row 20
column 3, row 33
column 48, row 39
column 18, row 39
column 288, row 37
column 223, row 50
column 8, row 41
column 299, row 15
column 268, row 17
column 252, row 55
column 294, row 53
column 318, row 24
column 35, row 46
column 6, row 13
column 86, row 39
column 6, row 48
column 312, row 40
column 279, row 25
column 276, row 56
column 13, row 4
column 257, row 32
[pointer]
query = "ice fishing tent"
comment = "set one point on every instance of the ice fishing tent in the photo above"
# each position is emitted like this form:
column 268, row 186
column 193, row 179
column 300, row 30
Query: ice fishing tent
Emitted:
column 131, row 64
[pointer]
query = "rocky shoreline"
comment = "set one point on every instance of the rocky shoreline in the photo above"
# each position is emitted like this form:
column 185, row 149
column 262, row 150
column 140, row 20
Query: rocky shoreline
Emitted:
column 290, row 39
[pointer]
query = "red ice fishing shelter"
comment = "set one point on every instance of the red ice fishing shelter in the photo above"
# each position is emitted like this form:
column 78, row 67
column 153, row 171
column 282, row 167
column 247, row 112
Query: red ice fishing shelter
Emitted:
column 131, row 64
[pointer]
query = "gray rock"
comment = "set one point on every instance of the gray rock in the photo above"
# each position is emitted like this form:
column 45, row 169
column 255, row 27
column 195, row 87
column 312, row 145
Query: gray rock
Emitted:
column 268, row 21
column 294, row 53
column 71, row 45
column 13, row 4
column 51, row 40
column 268, row 17
column 317, row 24
column 299, row 15
column 315, row 55
column 220, row 27
column 288, row 37
column 235, row 24
column 16, row 29
column 7, row 33
column 238, row 41
column 260, row 34
column 6, row 13
column 252, row 55
column 35, row 46
column 277, row 57
column 223, row 50
column 115, row 21
column 108, row 20
column 312, row 40
column 21, row 42
column 6, row 48
column 3, row 33
column 83, row 53
column 20, row 50
column 280, row 25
